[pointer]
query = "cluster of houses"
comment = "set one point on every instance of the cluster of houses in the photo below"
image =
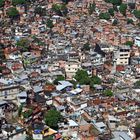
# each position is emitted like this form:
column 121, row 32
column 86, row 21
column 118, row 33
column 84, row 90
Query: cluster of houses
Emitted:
column 78, row 41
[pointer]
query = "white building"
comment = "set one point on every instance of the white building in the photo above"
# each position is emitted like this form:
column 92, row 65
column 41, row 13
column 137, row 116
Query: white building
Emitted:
column 137, row 41
column 71, row 68
column 106, row 48
column 96, row 59
column 122, row 55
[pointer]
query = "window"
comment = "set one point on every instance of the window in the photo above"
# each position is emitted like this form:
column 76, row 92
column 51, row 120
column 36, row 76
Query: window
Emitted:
column 123, row 54
column 137, row 39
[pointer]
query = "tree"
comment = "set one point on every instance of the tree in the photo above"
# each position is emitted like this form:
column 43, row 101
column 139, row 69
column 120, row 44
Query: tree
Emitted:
column 137, row 84
column 60, row 9
column 12, row 12
column 138, row 24
column 108, row 1
column 112, row 80
column 105, row 16
column 86, row 47
column 123, row 8
column 50, row 23
column 137, row 129
column 27, row 113
column 95, row 80
column 108, row 93
column 20, row 110
column 66, row 1
column 40, row 11
column 28, row 138
column 59, row 78
column 49, row 138
column 138, row 125
column 1, row 3
column 114, row 2
column 137, row 13
column 130, row 21
column 111, row 11
column 1, row 68
column 74, row 83
column 82, row 77
column 38, row 41
column 129, row 43
column 91, row 8
column 23, row 44
column 17, row 2
column 52, row 118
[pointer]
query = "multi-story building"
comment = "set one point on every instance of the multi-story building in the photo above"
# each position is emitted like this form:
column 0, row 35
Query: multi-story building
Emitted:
column 122, row 55
column 71, row 68
column 96, row 59
column 137, row 41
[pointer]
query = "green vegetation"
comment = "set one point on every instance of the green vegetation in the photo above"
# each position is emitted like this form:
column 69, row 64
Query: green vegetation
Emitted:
column 2, row 56
column 49, row 138
column 73, row 82
column 137, row 13
column 108, row 93
column 91, row 8
column 12, row 12
column 17, row 2
column 130, row 21
column 1, row 68
column 52, row 118
column 129, row 43
column 38, row 41
column 20, row 110
column 23, row 44
column 65, row 1
column 59, row 78
column 82, row 77
column 111, row 11
column 138, row 24
column 27, row 113
column 28, row 138
column 86, row 47
column 60, row 9
column 105, row 16
column 112, row 80
column 122, row 9
column 1, row 3
column 137, row 84
column 114, row 2
column 50, row 23
column 138, row 125
column 40, row 11
column 95, row 80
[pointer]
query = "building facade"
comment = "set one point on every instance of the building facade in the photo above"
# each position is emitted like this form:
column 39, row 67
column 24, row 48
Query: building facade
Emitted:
column 122, row 55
